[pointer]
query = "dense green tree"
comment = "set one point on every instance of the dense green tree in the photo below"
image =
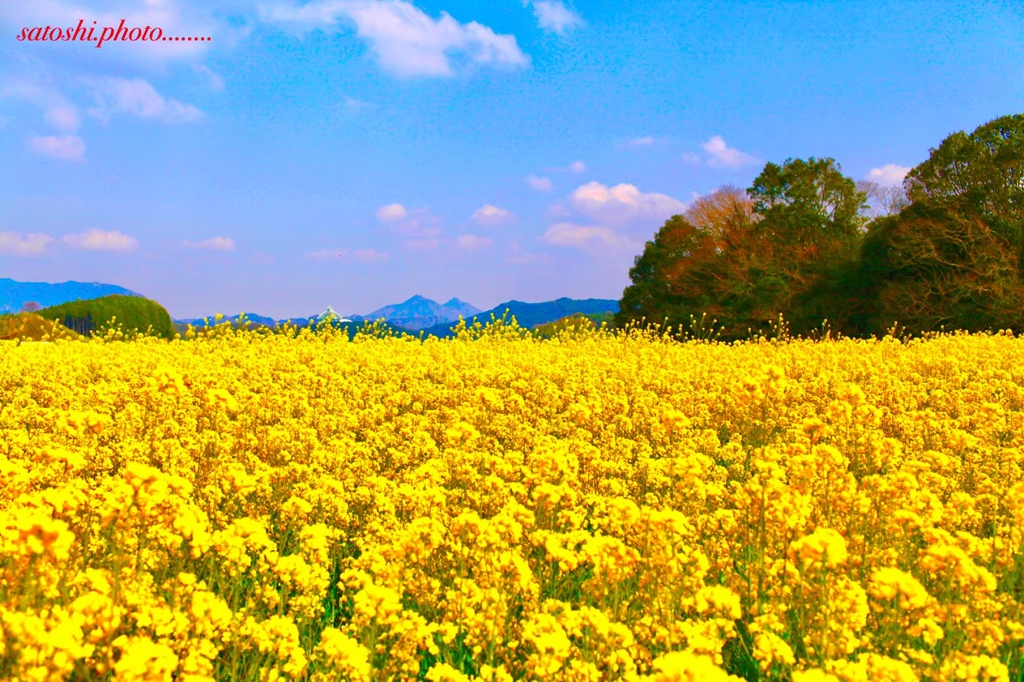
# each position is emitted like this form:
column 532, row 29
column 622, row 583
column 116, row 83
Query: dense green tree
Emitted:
column 981, row 173
column 812, row 219
column 129, row 313
column 931, row 267
column 695, row 264
column 744, row 257
column 953, row 258
column 809, row 209
column 944, row 250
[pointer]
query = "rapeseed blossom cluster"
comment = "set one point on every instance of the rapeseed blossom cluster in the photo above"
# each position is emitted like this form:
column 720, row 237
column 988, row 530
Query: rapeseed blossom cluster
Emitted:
column 305, row 506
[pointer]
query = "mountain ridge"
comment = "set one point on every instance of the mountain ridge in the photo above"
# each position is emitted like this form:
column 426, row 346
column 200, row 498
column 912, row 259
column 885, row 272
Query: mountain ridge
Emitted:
column 529, row 315
column 15, row 294
column 418, row 312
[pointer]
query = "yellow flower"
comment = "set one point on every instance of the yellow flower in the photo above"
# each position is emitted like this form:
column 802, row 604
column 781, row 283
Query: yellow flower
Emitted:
column 144, row 660
column 824, row 547
column 685, row 666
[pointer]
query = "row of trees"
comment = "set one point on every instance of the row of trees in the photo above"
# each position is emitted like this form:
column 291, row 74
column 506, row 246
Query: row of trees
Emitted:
column 945, row 250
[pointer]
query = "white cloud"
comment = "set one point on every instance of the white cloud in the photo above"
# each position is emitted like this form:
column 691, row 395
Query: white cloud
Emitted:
column 420, row 227
column 18, row 244
column 491, row 215
column 57, row 110
column 391, row 212
column 405, row 39
column 525, row 258
column 370, row 255
column 63, row 117
column 68, row 147
column 640, row 142
column 472, row 242
column 101, row 240
column 720, row 154
column 541, row 184
column 353, row 104
column 624, row 204
column 581, row 236
column 574, row 167
column 423, row 244
column 212, row 244
column 326, row 254
column 137, row 97
column 214, row 79
column 889, row 174
column 554, row 16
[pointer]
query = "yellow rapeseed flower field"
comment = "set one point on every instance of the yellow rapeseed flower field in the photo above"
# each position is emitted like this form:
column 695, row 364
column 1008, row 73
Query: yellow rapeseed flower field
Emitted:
column 257, row 506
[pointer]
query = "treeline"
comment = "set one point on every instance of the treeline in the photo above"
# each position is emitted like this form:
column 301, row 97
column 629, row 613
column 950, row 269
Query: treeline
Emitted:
column 944, row 251
column 130, row 315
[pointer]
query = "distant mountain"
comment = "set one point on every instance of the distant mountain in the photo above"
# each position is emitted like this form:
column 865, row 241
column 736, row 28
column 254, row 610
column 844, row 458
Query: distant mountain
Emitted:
column 414, row 315
column 13, row 294
column 529, row 315
column 419, row 313
column 233, row 319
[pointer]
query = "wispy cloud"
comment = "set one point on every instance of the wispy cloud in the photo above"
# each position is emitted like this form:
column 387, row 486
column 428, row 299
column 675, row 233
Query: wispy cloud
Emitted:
column 554, row 16
column 425, row 243
column 58, row 112
column 539, row 183
column 527, row 258
column 581, row 236
column 361, row 255
column 370, row 255
column 419, row 227
column 325, row 254
column 406, row 40
column 889, row 174
column 491, row 215
column 623, row 204
column 137, row 97
column 722, row 155
column 640, row 142
column 391, row 213
column 212, row 244
column 101, row 240
column 472, row 242
column 19, row 244
column 66, row 148
column 215, row 81
column 353, row 104
column 574, row 167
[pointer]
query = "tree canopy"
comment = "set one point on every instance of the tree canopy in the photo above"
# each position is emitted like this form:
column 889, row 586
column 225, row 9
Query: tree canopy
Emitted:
column 743, row 257
column 130, row 313
column 943, row 250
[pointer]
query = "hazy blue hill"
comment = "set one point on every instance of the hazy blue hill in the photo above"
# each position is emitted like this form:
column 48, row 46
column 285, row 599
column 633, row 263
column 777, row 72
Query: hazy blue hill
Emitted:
column 14, row 294
column 413, row 315
column 530, row 315
column 253, row 318
column 419, row 312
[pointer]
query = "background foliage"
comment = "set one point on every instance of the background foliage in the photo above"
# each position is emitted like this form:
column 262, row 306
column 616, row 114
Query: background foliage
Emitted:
column 806, row 242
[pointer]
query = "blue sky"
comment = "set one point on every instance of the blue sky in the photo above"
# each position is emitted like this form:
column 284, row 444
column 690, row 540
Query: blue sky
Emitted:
column 357, row 152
